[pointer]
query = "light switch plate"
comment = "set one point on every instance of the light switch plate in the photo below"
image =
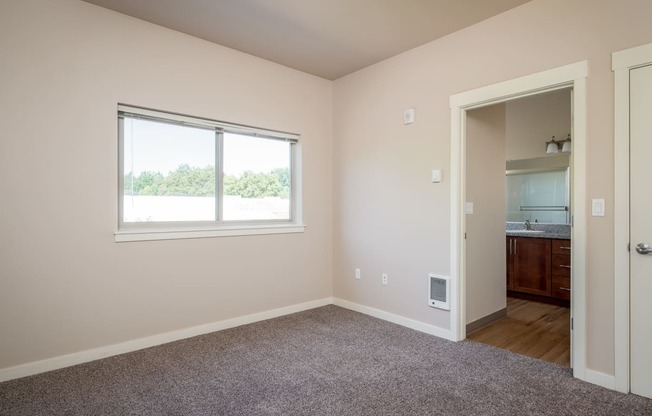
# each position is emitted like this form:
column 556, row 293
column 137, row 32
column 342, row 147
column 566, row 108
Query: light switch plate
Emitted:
column 468, row 208
column 597, row 207
column 408, row 116
column 436, row 175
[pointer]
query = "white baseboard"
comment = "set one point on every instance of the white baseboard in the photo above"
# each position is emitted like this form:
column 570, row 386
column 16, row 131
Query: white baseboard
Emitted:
column 62, row 361
column 601, row 379
column 24, row 370
column 396, row 319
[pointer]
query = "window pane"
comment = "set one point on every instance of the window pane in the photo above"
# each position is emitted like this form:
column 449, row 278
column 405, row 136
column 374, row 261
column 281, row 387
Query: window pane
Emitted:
column 169, row 172
column 257, row 180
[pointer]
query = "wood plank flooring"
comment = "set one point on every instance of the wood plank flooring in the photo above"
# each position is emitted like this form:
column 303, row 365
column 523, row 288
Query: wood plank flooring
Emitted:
column 534, row 329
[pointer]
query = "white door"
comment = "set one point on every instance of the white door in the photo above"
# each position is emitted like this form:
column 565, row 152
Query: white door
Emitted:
column 641, row 230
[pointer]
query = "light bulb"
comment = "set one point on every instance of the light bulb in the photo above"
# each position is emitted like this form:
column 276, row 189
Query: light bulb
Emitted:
column 566, row 148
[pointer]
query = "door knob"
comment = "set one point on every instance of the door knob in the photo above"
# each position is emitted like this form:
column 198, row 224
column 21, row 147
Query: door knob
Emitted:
column 642, row 248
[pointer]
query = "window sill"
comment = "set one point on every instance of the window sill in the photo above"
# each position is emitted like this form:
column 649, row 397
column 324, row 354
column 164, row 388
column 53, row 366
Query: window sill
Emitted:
column 122, row 236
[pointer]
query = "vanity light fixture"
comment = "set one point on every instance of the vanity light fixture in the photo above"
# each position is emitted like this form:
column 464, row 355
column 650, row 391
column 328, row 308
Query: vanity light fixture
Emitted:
column 554, row 146
column 566, row 147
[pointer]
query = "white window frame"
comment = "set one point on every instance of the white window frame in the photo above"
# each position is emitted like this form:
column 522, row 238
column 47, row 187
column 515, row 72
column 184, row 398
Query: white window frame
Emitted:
column 147, row 231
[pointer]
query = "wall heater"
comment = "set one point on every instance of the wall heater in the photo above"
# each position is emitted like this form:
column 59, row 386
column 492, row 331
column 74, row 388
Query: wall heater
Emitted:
column 439, row 292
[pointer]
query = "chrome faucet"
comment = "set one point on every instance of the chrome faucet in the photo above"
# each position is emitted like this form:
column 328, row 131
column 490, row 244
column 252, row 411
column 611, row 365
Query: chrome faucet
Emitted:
column 528, row 226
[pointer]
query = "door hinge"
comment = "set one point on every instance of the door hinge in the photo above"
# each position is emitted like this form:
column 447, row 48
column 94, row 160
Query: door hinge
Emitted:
column 465, row 236
column 571, row 324
column 629, row 247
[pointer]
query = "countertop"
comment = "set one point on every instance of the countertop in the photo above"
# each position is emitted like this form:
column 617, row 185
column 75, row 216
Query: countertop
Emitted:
column 551, row 231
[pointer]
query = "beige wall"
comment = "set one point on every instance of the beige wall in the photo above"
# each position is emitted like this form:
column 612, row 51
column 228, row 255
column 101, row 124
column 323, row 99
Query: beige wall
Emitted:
column 485, row 228
column 389, row 215
column 65, row 285
column 532, row 121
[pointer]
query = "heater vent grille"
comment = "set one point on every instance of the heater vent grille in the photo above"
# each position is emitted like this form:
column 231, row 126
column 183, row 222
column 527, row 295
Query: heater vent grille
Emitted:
column 439, row 292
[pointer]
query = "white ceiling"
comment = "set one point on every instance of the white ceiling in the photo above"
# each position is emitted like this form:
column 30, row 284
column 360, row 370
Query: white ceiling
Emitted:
column 327, row 38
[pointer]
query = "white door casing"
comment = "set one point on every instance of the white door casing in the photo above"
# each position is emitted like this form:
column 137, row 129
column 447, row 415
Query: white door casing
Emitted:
column 624, row 63
column 574, row 76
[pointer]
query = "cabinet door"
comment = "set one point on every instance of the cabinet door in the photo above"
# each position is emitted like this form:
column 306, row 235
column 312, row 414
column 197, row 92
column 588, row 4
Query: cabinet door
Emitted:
column 532, row 265
column 561, row 265
column 561, row 247
column 510, row 263
column 561, row 287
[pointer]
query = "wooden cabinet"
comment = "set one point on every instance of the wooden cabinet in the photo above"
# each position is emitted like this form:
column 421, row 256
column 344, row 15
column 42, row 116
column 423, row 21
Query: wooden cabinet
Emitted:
column 539, row 267
column 530, row 262
column 509, row 249
column 561, row 269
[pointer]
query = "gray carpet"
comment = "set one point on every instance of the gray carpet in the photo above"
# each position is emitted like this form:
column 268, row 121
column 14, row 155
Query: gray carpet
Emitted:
column 327, row 361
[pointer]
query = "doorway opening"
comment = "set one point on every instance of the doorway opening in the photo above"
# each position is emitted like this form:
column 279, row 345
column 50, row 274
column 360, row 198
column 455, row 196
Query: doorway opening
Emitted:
column 567, row 77
column 518, row 237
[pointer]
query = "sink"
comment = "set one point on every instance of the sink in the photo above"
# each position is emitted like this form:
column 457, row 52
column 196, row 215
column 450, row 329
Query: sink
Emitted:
column 526, row 231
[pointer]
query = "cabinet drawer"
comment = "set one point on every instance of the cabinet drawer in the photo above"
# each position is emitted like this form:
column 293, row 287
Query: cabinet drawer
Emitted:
column 561, row 247
column 561, row 265
column 561, row 287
